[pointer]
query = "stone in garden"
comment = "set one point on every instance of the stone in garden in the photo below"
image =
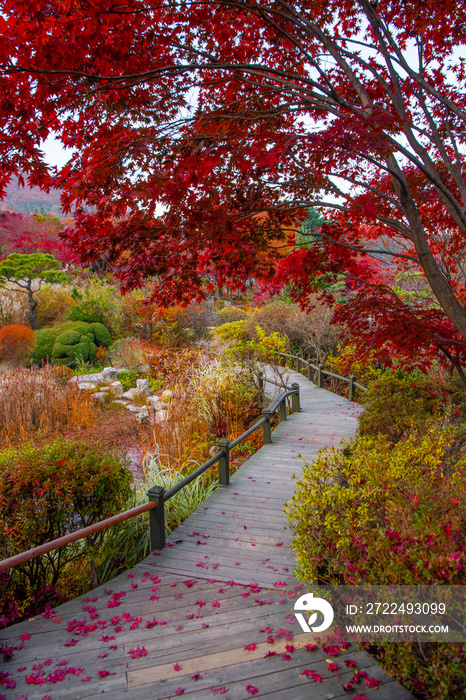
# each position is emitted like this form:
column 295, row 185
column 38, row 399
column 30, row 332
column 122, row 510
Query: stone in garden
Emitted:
column 165, row 394
column 131, row 394
column 161, row 416
column 123, row 403
column 155, row 403
column 133, row 409
column 143, row 418
column 109, row 375
column 142, row 386
column 86, row 385
column 117, row 389
column 100, row 397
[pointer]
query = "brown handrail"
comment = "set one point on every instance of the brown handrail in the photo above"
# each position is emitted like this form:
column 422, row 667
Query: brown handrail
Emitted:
column 159, row 495
column 73, row 536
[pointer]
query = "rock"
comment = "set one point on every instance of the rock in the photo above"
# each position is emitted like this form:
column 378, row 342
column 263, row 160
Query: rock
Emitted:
column 123, row 403
column 104, row 388
column 109, row 375
column 131, row 394
column 155, row 403
column 100, row 397
column 117, row 389
column 166, row 394
column 143, row 418
column 161, row 416
column 133, row 409
column 86, row 386
column 142, row 386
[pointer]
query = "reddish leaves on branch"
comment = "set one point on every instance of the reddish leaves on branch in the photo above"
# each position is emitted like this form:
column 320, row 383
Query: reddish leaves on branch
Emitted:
column 219, row 111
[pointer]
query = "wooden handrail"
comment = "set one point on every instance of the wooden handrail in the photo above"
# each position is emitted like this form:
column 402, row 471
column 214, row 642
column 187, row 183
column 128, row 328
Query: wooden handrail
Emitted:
column 162, row 497
column 351, row 380
column 74, row 536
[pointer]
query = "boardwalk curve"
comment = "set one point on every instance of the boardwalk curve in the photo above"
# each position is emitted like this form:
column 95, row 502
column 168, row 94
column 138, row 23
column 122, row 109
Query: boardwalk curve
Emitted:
column 178, row 623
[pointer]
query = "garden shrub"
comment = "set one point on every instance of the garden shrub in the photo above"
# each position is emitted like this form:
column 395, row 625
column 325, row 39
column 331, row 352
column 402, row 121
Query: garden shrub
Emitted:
column 311, row 332
column 232, row 332
column 54, row 303
column 392, row 513
column 398, row 403
column 230, row 314
column 102, row 335
column 397, row 519
column 71, row 343
column 45, row 340
column 16, row 343
column 98, row 303
column 48, row 491
column 128, row 352
column 128, row 378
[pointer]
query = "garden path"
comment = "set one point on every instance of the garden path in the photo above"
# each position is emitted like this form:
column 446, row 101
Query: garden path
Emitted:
column 180, row 623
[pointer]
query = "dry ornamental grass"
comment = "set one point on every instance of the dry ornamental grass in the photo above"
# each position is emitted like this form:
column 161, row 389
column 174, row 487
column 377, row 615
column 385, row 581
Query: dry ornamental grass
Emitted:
column 35, row 402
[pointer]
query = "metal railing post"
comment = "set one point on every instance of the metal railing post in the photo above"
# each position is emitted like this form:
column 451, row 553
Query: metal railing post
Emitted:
column 352, row 379
column 295, row 402
column 261, row 387
column 266, row 427
column 321, row 377
column 157, row 519
column 224, row 462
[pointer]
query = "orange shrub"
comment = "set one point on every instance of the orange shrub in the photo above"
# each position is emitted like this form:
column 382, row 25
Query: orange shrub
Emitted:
column 16, row 342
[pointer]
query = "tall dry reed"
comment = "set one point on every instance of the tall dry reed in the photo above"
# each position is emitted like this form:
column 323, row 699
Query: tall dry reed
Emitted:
column 34, row 402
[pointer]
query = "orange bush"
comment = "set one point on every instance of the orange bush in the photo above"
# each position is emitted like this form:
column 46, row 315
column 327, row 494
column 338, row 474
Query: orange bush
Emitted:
column 16, row 342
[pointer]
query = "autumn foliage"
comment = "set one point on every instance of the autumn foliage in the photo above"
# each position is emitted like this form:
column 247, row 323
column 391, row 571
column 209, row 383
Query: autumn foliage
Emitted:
column 16, row 342
column 239, row 117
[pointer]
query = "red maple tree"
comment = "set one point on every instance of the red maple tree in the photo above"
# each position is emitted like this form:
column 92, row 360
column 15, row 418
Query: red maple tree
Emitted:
column 220, row 110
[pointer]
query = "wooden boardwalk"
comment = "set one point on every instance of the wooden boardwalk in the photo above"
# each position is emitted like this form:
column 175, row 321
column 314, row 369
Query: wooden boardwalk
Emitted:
column 178, row 623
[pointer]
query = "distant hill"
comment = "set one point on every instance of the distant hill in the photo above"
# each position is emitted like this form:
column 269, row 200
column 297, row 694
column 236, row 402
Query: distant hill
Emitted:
column 31, row 200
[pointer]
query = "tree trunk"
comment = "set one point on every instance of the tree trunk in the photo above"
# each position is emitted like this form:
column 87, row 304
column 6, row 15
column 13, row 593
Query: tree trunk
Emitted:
column 32, row 309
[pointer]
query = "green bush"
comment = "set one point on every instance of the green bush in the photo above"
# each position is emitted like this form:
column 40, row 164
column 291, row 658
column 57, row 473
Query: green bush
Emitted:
column 73, row 342
column 102, row 337
column 128, row 378
column 389, row 514
column 48, row 491
column 45, row 339
column 397, row 519
column 80, row 314
column 398, row 403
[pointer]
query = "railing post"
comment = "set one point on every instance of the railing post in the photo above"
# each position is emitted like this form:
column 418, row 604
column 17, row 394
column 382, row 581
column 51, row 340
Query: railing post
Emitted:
column 295, row 402
column 283, row 410
column 157, row 519
column 321, row 377
column 309, row 371
column 224, row 462
column 298, row 363
column 261, row 387
column 352, row 379
column 266, row 427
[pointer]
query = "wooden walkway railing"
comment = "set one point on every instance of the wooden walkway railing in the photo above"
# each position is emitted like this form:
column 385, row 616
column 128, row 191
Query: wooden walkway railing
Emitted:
column 157, row 494
column 315, row 373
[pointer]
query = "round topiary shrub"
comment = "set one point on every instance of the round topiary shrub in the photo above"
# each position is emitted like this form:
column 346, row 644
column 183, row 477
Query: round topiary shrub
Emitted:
column 16, row 342
column 102, row 335
column 45, row 339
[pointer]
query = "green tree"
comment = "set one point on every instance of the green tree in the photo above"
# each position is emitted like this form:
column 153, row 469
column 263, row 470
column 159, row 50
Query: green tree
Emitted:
column 27, row 273
column 309, row 231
